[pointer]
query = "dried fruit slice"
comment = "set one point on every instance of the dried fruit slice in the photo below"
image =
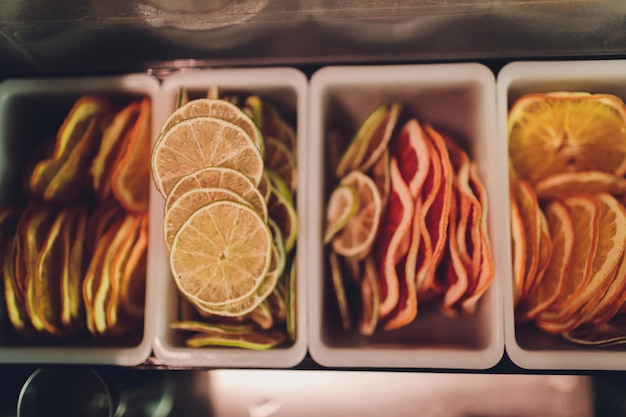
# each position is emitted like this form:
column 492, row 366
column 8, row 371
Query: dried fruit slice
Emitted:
column 574, row 131
column 518, row 238
column 585, row 182
column 436, row 214
column 607, row 307
column 131, row 174
column 343, row 204
column 393, row 240
column 262, row 316
column 281, row 160
column 202, row 142
column 340, row 290
column 380, row 174
column 281, row 210
column 552, row 283
column 405, row 310
column 218, row 177
column 357, row 237
column 292, row 314
column 68, row 136
column 410, row 148
column 189, row 202
column 221, row 253
column 254, row 341
column 209, row 328
column 14, row 303
column 220, row 109
column 603, row 335
column 132, row 291
column 370, row 141
column 370, row 299
column 272, row 123
column 111, row 145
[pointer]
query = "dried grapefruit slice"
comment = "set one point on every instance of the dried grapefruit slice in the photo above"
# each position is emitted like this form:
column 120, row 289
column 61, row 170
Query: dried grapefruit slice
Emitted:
column 203, row 142
column 393, row 240
column 410, row 147
column 221, row 253
column 574, row 131
column 357, row 237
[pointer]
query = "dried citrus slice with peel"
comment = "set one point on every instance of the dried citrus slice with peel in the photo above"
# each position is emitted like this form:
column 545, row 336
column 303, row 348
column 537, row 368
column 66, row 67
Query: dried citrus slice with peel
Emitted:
column 405, row 310
column 338, row 282
column 343, row 204
column 583, row 182
column 357, row 237
column 370, row 300
column 371, row 140
column 281, row 160
column 210, row 328
column 281, row 210
column 14, row 303
column 552, row 283
column 253, row 341
column 608, row 306
column 518, row 241
column 573, row 131
column 132, row 292
column 381, row 176
column 412, row 152
column 203, row 142
column 189, row 202
column 218, row 177
column 68, row 136
column 292, row 287
column 220, row 109
column 603, row 335
column 111, row 146
column 393, row 239
column 262, row 316
column 222, row 252
column 130, row 180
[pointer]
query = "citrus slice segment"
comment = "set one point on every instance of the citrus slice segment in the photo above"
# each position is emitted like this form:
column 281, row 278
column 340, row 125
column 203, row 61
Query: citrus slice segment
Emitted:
column 131, row 174
column 219, row 177
column 357, row 237
column 371, row 140
column 584, row 182
column 281, row 160
column 411, row 150
column 111, row 145
column 221, row 253
column 575, row 132
column 281, row 210
column 551, row 285
column 220, row 109
column 370, row 300
column 393, row 240
column 603, row 335
column 203, row 142
column 189, row 202
column 343, row 204
column 608, row 306
column 338, row 282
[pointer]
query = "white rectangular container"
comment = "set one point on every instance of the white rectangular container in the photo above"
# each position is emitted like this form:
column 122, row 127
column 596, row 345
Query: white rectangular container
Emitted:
column 459, row 98
column 526, row 345
column 28, row 108
column 286, row 88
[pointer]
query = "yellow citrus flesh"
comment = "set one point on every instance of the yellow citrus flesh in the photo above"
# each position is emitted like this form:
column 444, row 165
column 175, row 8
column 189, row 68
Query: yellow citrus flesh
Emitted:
column 219, row 177
column 220, row 109
column 221, row 253
column 557, row 133
column 203, row 142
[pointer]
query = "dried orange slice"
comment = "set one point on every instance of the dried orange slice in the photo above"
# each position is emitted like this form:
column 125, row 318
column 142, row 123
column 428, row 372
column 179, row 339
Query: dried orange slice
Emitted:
column 220, row 109
column 584, row 182
column 131, row 174
column 73, row 129
column 189, row 202
column 518, row 241
column 111, row 146
column 393, row 239
column 602, row 335
column 551, row 285
column 203, row 142
column 608, row 306
column 219, row 177
column 343, row 204
column 221, row 253
column 357, row 237
column 281, row 160
column 371, row 140
column 14, row 303
column 74, row 236
column 132, row 291
column 574, row 131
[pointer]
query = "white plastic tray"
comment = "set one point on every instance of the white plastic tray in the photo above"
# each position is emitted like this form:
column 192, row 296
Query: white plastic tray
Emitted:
column 287, row 89
column 527, row 346
column 25, row 106
column 461, row 99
